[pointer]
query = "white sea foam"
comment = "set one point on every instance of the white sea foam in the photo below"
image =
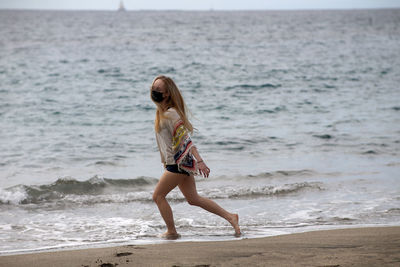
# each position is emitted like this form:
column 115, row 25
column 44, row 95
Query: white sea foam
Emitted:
column 15, row 196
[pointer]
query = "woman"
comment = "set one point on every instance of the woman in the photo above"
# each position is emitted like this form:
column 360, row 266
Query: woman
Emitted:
column 179, row 156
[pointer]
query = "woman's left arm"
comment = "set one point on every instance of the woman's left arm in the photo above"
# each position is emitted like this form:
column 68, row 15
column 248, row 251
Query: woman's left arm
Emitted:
column 203, row 169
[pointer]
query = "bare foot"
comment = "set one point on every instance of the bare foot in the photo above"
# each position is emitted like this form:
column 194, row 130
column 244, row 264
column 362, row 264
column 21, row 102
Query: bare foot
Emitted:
column 170, row 236
column 235, row 224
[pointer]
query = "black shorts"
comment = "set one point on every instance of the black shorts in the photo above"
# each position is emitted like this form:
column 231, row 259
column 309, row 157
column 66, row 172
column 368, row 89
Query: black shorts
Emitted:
column 174, row 168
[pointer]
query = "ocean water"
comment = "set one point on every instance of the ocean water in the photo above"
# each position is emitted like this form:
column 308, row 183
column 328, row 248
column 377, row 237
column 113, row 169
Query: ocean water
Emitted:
column 297, row 115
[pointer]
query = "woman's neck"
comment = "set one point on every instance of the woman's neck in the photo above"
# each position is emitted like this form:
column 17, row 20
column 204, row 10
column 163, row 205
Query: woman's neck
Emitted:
column 164, row 107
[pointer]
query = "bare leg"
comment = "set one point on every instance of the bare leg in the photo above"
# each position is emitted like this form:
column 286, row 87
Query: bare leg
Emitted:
column 167, row 182
column 188, row 188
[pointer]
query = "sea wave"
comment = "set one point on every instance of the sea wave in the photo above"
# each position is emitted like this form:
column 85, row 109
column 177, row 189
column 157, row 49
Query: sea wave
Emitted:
column 101, row 190
column 253, row 86
column 64, row 187
column 284, row 173
column 261, row 191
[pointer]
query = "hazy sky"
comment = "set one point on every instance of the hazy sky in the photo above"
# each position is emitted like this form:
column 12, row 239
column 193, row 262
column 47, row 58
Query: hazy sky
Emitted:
column 198, row 4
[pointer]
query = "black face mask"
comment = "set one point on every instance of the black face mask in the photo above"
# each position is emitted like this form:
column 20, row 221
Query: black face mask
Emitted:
column 157, row 96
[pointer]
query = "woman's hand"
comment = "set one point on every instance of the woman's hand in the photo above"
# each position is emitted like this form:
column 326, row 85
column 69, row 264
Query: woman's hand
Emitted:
column 203, row 169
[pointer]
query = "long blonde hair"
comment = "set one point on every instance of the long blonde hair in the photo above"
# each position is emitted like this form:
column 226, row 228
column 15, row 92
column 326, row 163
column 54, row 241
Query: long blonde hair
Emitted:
column 175, row 100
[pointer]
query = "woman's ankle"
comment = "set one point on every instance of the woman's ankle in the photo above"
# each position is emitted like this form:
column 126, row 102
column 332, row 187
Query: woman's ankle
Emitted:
column 170, row 235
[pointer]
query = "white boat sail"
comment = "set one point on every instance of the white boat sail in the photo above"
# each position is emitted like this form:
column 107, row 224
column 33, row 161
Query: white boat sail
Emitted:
column 121, row 6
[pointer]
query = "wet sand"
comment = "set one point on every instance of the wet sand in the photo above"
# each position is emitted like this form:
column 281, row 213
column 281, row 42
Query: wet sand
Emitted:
column 376, row 246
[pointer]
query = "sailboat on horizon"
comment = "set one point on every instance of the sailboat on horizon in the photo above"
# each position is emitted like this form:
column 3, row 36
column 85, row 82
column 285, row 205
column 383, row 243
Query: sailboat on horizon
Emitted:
column 121, row 6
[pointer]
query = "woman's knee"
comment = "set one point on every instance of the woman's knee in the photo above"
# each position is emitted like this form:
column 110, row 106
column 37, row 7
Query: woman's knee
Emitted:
column 157, row 197
column 194, row 201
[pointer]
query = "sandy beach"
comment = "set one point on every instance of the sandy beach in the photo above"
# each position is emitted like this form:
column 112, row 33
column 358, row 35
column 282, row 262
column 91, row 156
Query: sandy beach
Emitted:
column 377, row 246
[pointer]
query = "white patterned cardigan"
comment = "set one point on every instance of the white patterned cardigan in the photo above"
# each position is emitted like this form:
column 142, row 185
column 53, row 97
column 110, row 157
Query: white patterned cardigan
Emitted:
column 175, row 144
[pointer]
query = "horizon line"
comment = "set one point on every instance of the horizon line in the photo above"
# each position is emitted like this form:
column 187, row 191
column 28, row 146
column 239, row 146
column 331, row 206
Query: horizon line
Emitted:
column 199, row 10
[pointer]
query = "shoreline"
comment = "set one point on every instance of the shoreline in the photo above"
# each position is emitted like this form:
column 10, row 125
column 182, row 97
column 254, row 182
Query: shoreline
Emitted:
column 368, row 246
column 182, row 239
